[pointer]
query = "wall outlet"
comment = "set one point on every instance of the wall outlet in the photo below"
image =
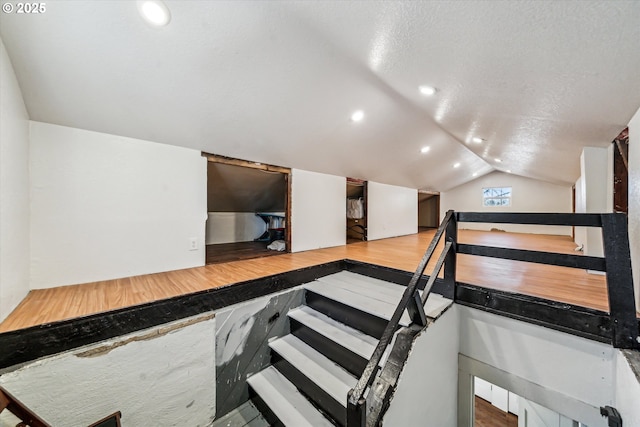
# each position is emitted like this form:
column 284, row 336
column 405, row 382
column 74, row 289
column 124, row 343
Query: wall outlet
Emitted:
column 193, row 244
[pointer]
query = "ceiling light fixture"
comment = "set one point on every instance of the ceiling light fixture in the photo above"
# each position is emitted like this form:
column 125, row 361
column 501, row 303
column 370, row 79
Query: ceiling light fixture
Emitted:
column 508, row 170
column 498, row 160
column 357, row 116
column 474, row 174
column 477, row 140
column 456, row 165
column 425, row 149
column 427, row 90
column 155, row 12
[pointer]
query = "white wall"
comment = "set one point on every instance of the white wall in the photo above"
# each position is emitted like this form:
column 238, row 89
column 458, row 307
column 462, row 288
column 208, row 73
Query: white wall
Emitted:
column 634, row 201
column 570, row 375
column 105, row 206
column 627, row 391
column 596, row 177
column 318, row 210
column 162, row 376
column 391, row 211
column 528, row 195
column 230, row 227
column 14, row 190
column 426, row 394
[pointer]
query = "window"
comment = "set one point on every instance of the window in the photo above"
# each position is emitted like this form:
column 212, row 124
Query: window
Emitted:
column 496, row 196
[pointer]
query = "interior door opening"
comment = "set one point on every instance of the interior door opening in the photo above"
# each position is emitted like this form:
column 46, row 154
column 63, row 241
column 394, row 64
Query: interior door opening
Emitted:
column 356, row 210
column 428, row 210
column 248, row 210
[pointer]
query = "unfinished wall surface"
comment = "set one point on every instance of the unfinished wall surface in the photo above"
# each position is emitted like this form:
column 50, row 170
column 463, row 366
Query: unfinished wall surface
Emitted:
column 634, row 201
column 14, row 190
column 162, row 376
column 427, row 392
column 104, row 206
column 528, row 195
column 627, row 386
column 391, row 211
column 318, row 210
column 570, row 375
column 242, row 336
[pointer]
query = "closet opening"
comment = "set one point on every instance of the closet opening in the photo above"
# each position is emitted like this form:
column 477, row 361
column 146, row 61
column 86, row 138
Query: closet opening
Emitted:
column 428, row 210
column 356, row 210
column 248, row 210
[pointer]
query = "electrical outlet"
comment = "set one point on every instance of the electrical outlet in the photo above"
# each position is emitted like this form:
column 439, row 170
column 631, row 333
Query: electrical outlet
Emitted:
column 193, row 244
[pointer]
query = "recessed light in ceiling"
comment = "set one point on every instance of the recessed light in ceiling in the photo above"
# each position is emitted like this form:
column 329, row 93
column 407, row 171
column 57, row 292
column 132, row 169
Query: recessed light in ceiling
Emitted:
column 155, row 12
column 508, row 171
column 425, row 149
column 427, row 90
column 357, row 116
column 498, row 160
column 456, row 165
column 477, row 140
column 474, row 174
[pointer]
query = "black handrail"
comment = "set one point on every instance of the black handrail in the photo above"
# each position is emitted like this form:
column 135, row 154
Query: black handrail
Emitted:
column 356, row 410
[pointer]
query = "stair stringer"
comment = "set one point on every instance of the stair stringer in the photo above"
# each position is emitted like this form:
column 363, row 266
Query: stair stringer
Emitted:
column 382, row 390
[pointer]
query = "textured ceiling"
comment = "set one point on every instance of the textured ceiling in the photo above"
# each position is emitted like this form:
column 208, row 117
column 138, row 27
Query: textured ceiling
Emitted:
column 276, row 82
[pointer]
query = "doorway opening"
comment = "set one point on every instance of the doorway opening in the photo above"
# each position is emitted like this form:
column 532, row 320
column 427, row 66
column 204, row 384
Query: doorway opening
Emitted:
column 356, row 210
column 428, row 210
column 248, row 210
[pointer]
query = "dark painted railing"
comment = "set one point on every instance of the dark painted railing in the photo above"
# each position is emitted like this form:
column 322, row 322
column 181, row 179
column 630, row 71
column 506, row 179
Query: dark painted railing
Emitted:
column 622, row 328
column 414, row 304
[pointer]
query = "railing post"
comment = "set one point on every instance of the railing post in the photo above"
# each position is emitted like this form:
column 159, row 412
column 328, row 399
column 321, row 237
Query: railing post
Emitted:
column 622, row 306
column 451, row 235
column 356, row 411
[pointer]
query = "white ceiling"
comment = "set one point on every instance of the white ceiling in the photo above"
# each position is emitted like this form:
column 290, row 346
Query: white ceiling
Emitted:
column 276, row 82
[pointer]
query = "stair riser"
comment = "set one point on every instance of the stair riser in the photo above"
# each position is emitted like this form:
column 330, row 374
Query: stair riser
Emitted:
column 365, row 322
column 349, row 360
column 264, row 409
column 314, row 393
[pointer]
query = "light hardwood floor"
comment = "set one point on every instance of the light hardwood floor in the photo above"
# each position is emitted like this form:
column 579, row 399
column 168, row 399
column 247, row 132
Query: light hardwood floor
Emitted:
column 557, row 283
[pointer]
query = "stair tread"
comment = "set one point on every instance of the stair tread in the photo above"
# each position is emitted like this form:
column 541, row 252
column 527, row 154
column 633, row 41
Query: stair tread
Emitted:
column 352, row 339
column 284, row 399
column 353, row 298
column 374, row 288
column 436, row 304
column 325, row 373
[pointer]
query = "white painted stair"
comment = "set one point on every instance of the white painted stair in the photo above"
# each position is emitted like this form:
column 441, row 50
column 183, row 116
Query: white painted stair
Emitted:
column 332, row 338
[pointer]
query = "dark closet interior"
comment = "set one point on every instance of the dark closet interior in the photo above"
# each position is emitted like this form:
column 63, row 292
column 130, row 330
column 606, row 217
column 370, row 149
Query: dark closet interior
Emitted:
column 356, row 210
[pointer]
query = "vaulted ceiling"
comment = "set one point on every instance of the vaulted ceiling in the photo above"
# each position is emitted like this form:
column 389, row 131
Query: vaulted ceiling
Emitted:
column 277, row 81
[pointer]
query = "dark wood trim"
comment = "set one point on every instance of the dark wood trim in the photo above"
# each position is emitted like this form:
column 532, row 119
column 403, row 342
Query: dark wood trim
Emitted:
column 20, row 410
column 216, row 158
column 552, row 258
column 575, row 320
column 578, row 220
column 28, row 344
column 111, row 420
column 620, row 281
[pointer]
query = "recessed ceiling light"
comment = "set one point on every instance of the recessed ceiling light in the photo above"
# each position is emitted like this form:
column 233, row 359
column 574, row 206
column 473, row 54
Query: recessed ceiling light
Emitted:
column 475, row 174
column 508, row 170
column 427, row 90
column 155, row 12
column 425, row 149
column 477, row 140
column 456, row 165
column 498, row 160
column 357, row 116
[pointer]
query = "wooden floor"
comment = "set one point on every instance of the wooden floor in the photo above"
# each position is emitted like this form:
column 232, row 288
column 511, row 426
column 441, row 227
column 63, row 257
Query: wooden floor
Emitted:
column 229, row 252
column 557, row 283
column 487, row 415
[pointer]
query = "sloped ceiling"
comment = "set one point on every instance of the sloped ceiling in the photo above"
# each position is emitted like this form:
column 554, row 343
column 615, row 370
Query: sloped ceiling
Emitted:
column 276, row 82
column 240, row 189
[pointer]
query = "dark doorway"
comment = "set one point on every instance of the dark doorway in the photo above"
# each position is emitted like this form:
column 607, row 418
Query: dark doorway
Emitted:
column 247, row 210
column 621, row 172
column 428, row 210
column 356, row 210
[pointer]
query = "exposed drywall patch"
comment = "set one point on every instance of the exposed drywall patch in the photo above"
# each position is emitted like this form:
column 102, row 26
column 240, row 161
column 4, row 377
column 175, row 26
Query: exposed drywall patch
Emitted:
column 242, row 340
column 153, row 334
column 168, row 380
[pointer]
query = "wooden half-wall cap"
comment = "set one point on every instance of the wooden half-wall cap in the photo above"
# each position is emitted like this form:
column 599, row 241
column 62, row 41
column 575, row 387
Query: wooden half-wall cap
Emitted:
column 244, row 163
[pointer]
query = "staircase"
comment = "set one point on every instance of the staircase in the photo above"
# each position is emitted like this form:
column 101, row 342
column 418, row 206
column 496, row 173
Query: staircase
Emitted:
column 332, row 338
